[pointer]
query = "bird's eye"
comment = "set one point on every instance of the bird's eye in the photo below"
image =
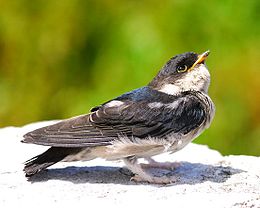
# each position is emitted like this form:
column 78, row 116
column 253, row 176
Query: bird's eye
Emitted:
column 182, row 68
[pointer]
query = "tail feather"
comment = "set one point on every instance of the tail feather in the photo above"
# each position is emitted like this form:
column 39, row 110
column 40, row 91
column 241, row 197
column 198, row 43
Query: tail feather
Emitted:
column 46, row 159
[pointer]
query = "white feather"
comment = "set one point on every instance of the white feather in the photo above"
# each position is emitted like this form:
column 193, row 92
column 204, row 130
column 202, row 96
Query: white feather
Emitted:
column 197, row 79
column 114, row 103
column 155, row 105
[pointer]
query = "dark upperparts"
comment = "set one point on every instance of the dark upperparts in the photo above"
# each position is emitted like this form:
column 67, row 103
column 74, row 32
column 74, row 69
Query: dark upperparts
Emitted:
column 150, row 95
column 169, row 71
column 188, row 59
column 146, row 94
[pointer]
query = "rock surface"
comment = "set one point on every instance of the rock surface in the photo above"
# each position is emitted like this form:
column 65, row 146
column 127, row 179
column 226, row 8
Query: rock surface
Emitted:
column 205, row 179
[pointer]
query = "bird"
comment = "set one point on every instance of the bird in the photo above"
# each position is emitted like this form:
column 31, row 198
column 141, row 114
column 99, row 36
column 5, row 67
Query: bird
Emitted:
column 163, row 116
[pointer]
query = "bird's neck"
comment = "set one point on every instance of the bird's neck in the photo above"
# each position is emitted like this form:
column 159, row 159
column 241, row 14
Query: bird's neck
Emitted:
column 196, row 80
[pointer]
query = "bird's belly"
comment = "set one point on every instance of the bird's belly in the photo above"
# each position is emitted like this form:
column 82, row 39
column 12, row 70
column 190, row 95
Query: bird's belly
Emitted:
column 124, row 147
column 121, row 150
column 147, row 147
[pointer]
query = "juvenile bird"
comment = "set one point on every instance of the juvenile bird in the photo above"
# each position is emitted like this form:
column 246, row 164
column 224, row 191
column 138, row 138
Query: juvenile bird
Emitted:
column 164, row 116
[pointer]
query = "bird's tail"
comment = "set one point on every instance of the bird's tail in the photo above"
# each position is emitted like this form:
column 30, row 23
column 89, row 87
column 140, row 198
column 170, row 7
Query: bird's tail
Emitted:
column 46, row 159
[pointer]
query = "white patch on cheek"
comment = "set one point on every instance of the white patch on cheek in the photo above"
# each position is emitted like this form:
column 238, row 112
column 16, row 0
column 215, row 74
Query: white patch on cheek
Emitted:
column 170, row 89
column 114, row 103
column 197, row 79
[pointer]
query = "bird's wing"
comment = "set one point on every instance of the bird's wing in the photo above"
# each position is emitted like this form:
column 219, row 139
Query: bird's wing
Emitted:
column 122, row 118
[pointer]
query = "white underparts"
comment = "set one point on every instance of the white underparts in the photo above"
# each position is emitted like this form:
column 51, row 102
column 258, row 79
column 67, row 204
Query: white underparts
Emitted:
column 197, row 79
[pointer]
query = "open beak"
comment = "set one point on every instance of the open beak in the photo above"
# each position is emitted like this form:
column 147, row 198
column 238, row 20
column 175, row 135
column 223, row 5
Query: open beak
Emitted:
column 202, row 57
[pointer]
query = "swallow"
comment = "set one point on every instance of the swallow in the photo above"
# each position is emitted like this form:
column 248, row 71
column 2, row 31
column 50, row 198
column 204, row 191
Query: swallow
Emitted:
column 163, row 116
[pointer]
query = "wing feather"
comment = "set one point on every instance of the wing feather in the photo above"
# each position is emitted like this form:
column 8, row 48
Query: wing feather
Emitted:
column 132, row 118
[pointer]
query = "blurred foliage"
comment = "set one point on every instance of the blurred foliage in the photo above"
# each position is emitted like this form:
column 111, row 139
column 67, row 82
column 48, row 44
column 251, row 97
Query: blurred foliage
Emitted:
column 60, row 58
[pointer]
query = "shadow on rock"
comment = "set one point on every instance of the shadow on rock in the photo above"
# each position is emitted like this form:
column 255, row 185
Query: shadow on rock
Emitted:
column 193, row 173
column 187, row 173
column 95, row 174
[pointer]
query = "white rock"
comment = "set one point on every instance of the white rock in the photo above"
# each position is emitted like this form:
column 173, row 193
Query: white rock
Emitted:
column 206, row 179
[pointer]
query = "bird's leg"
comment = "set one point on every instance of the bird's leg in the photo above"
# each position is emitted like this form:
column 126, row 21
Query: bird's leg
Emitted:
column 162, row 165
column 142, row 176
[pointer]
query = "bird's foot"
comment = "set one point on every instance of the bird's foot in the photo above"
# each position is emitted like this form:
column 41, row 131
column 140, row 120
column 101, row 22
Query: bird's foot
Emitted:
column 161, row 165
column 143, row 176
column 154, row 179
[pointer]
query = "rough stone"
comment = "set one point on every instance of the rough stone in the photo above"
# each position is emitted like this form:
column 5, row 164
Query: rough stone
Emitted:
column 205, row 179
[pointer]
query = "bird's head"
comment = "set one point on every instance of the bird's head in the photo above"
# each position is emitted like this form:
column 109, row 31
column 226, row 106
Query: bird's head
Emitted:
column 183, row 72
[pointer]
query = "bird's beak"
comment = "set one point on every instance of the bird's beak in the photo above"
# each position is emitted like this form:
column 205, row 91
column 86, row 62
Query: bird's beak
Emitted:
column 202, row 57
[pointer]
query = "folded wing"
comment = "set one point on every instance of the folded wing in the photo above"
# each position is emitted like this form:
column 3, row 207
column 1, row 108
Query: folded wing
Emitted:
column 111, row 121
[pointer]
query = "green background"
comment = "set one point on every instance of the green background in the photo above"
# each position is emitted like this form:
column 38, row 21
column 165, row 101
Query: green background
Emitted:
column 60, row 58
